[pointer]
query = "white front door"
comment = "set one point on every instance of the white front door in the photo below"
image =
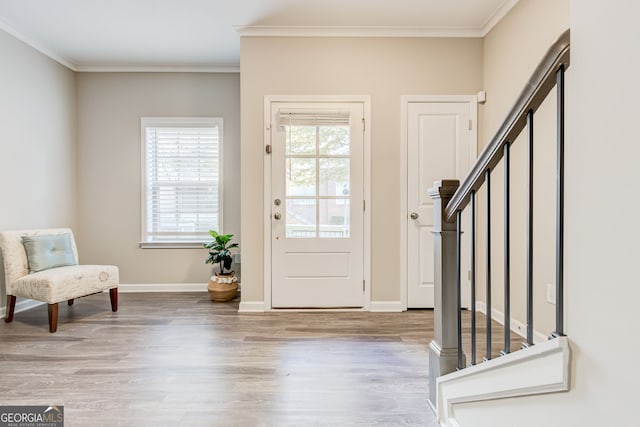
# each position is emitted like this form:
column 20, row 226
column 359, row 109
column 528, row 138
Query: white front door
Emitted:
column 317, row 219
column 438, row 147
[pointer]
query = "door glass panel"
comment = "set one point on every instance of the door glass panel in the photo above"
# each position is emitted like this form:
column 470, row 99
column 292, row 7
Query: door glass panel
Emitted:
column 301, row 218
column 334, row 218
column 300, row 140
column 300, row 176
column 334, row 140
column 317, row 168
column 334, row 177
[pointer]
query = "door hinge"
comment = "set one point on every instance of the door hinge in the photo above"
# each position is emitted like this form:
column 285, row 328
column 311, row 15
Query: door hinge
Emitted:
column 362, row 285
column 363, row 125
column 470, row 124
column 364, row 205
column 268, row 148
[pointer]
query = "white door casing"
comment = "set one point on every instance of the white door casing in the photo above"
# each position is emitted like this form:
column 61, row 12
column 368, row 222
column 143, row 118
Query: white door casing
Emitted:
column 440, row 140
column 316, row 206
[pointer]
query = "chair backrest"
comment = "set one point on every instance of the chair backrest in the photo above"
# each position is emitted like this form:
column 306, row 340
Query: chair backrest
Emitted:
column 14, row 255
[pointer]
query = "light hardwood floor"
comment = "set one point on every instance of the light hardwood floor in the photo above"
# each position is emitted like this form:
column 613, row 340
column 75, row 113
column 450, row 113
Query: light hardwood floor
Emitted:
column 181, row 360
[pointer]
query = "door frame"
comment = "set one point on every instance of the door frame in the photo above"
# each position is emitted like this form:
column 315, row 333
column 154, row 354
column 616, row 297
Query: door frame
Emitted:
column 365, row 100
column 472, row 101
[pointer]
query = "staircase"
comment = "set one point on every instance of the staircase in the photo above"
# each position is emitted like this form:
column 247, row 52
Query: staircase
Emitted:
column 543, row 367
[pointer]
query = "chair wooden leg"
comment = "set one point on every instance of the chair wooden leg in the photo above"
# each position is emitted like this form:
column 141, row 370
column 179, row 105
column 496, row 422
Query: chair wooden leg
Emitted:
column 70, row 302
column 11, row 306
column 113, row 295
column 53, row 317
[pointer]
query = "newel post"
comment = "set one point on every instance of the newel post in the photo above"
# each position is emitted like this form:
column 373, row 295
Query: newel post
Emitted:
column 443, row 349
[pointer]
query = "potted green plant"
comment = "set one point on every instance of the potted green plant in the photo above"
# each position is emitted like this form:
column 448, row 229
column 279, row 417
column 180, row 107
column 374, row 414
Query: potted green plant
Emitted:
column 224, row 284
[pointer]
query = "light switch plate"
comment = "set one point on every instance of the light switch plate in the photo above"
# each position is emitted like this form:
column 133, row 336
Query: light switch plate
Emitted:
column 551, row 294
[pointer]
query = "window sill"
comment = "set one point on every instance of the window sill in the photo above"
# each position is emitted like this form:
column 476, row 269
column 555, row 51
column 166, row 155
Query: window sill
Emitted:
column 171, row 245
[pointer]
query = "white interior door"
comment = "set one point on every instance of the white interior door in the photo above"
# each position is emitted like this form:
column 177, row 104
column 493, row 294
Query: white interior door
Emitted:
column 438, row 147
column 317, row 219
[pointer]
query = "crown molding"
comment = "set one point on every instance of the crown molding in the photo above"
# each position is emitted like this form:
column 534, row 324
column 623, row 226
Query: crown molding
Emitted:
column 89, row 68
column 320, row 31
column 277, row 31
column 37, row 46
column 209, row 68
column 497, row 15
column 378, row 31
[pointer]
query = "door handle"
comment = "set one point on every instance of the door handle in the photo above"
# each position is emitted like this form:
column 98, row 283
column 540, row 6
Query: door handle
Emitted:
column 414, row 215
column 277, row 215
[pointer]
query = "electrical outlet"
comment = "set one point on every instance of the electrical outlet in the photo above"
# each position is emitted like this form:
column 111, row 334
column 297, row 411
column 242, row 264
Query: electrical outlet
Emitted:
column 551, row 294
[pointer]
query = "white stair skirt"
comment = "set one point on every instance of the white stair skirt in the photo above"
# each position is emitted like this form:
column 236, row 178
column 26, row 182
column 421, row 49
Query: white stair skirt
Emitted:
column 542, row 368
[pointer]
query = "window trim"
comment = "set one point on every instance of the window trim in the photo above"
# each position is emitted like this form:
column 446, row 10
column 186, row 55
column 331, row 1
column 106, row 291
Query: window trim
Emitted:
column 178, row 122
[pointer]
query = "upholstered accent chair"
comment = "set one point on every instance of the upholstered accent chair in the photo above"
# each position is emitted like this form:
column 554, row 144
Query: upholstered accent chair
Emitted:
column 43, row 265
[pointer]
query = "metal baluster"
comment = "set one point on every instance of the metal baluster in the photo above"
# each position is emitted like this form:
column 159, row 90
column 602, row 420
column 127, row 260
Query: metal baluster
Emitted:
column 530, row 234
column 487, row 179
column 507, row 250
column 560, row 208
column 459, row 286
column 473, row 278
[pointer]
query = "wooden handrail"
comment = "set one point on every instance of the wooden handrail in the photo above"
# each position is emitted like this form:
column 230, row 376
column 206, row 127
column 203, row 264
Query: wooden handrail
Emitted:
column 536, row 90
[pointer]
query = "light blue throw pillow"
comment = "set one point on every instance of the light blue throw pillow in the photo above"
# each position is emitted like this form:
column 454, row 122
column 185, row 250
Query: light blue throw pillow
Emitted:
column 48, row 251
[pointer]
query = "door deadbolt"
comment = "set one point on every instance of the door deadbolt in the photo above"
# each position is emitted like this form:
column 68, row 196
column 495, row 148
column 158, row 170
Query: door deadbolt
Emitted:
column 277, row 202
column 414, row 215
column 277, row 215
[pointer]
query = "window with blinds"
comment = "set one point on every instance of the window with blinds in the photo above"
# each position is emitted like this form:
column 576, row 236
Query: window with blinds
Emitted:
column 182, row 180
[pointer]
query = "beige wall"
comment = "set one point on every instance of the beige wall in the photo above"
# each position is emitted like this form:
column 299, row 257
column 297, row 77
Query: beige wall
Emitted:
column 384, row 69
column 110, row 106
column 602, row 291
column 37, row 147
column 512, row 50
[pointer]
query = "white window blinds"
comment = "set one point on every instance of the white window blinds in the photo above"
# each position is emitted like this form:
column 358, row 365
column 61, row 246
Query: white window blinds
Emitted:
column 313, row 118
column 182, row 180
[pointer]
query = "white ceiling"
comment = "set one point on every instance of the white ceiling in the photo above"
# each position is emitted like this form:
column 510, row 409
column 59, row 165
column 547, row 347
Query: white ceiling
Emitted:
column 204, row 34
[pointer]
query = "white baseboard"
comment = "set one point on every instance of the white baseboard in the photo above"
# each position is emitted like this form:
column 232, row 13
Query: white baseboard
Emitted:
column 542, row 368
column 376, row 306
column 162, row 287
column 21, row 306
column 251, row 307
column 516, row 326
column 386, row 306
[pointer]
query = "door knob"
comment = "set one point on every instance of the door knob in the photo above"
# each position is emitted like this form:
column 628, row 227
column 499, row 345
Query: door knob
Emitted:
column 277, row 215
column 414, row 215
